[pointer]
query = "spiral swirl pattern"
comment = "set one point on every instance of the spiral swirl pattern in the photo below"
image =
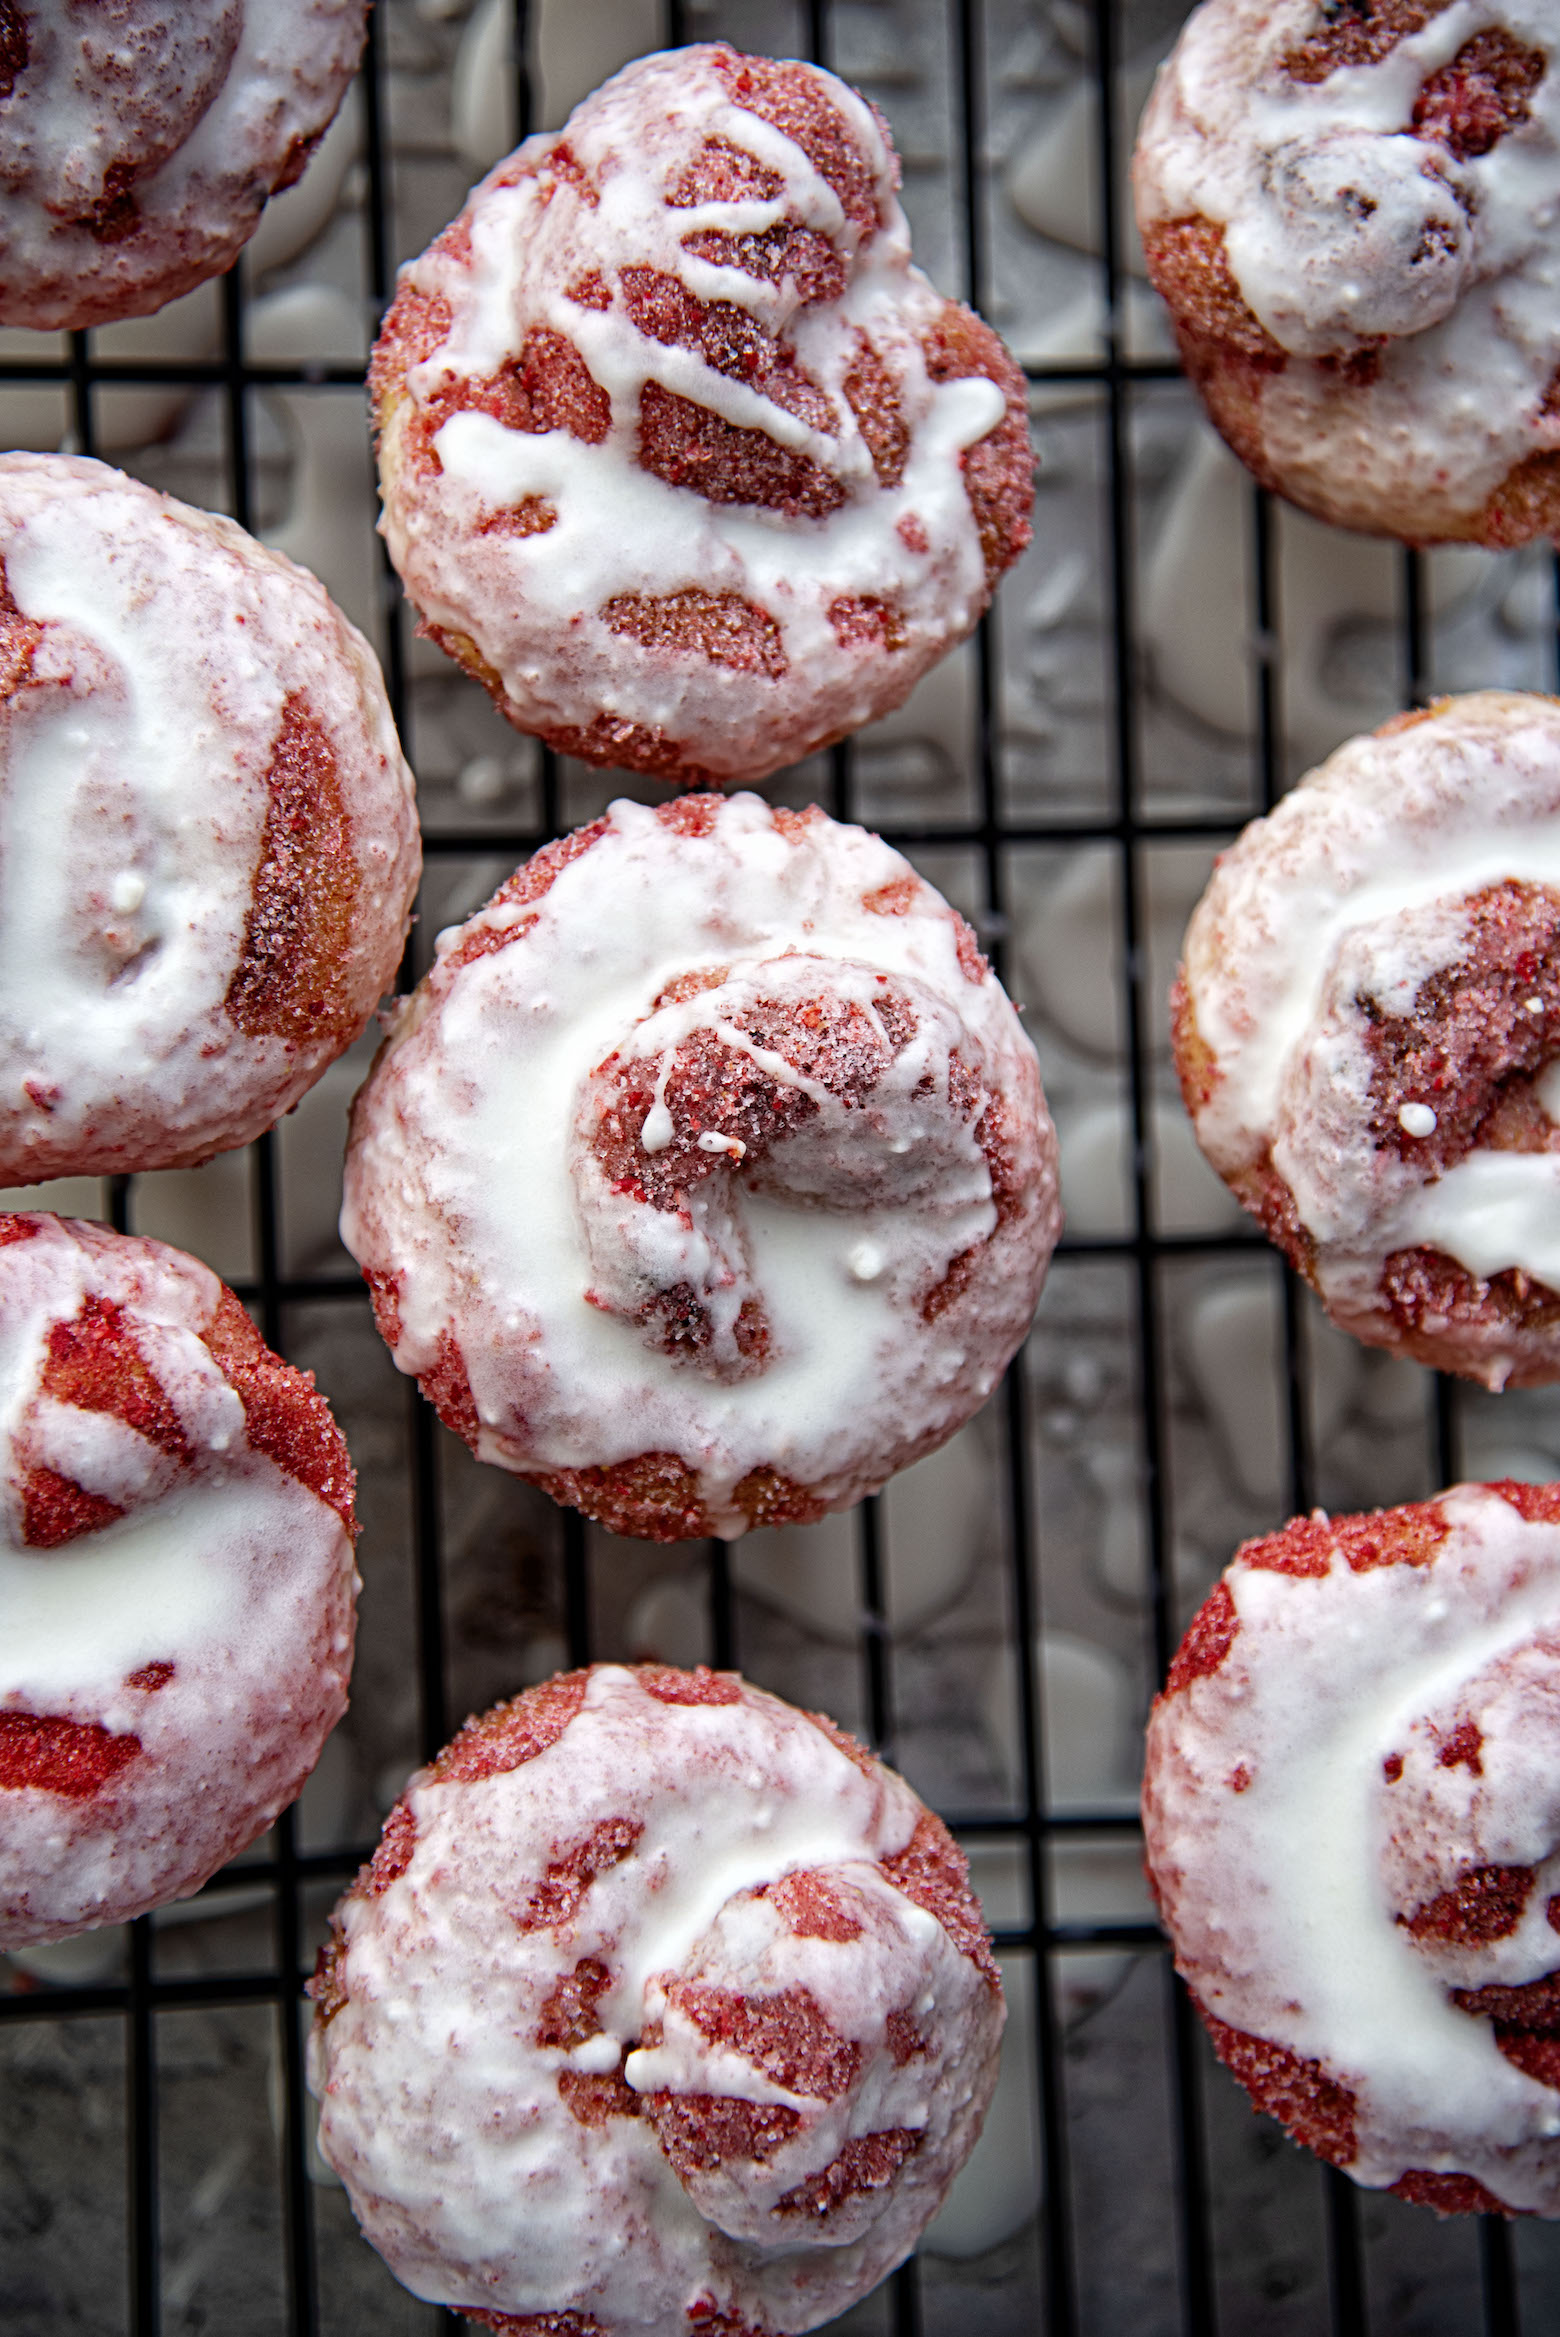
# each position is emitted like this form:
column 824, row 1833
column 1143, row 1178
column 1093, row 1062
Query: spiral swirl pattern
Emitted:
column 681, row 456
column 1367, row 1028
column 707, row 1178
column 726, row 2013
column 1353, row 1827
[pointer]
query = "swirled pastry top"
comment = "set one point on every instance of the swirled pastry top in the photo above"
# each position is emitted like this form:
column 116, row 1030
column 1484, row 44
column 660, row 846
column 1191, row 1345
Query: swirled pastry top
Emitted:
column 680, row 453
column 711, row 1140
column 1384, row 187
column 662, row 2006
column 1371, row 1007
column 1353, row 1827
column 139, row 142
column 208, row 845
column 176, row 1578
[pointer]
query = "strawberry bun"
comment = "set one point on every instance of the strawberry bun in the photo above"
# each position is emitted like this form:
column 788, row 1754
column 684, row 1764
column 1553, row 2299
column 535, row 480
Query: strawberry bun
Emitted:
column 1352, row 1820
column 1348, row 206
column 662, row 2007
column 140, row 142
column 176, row 1577
column 681, row 457
column 1367, row 1029
column 706, row 1178
column 208, row 841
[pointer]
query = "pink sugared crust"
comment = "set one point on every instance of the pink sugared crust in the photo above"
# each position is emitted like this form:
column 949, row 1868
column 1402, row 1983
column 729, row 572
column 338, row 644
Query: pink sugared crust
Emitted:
column 662, row 2006
column 706, row 1178
column 176, row 1577
column 139, row 144
column 680, row 455
column 1348, row 212
column 1364, row 1025
column 210, row 842
column 1353, row 1831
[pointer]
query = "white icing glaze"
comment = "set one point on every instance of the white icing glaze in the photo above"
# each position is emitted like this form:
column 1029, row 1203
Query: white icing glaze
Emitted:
column 199, row 107
column 224, row 1567
column 1350, row 895
column 133, row 801
column 464, row 1181
column 621, row 530
column 1341, row 225
column 441, row 2109
column 1288, row 1899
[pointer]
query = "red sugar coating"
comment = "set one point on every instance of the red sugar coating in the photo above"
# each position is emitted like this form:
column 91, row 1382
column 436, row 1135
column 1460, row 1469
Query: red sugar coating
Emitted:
column 56, row 1510
column 999, row 468
column 1462, row 1748
column 1472, row 102
column 656, row 1496
column 858, row 619
column 568, row 2014
column 537, row 2324
column 788, row 2036
column 1314, row 2107
column 393, row 1853
column 1537, row 2057
column 730, row 630
column 1538, row 1504
column 868, row 2162
column 1209, row 1638
column 689, row 445
column 150, row 1677
column 593, row 2096
column 1359, row 32
column 727, row 338
column 701, row 2131
column 511, row 1734
column 1428, row 1297
column 705, row 2319
column 796, row 103
column 73, row 1758
column 872, row 394
column 291, row 975
column 723, row 173
column 546, row 387
column 557, row 1896
column 447, row 1387
column 714, row 1086
column 700, row 1686
column 285, row 1416
column 933, row 1871
column 1448, row 2194
column 1483, row 1905
column 95, row 1365
column 905, row 2041
column 1407, row 1536
column 1475, row 1036
column 812, row 1907
column 1534, row 2004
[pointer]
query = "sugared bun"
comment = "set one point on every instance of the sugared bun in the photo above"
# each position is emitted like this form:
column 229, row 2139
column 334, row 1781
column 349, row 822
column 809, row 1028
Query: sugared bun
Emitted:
column 706, row 1178
column 1367, row 1029
column 176, row 1577
column 208, row 843
column 681, row 457
column 140, row 142
column 662, row 2007
column 1352, row 1811
column 1350, row 211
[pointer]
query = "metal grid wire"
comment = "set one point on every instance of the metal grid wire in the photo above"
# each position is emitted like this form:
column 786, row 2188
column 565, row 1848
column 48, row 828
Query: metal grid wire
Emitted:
column 1181, row 2177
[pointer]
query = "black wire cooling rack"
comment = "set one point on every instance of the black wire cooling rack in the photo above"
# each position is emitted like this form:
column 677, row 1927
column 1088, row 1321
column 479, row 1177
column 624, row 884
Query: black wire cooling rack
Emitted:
column 1177, row 2190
